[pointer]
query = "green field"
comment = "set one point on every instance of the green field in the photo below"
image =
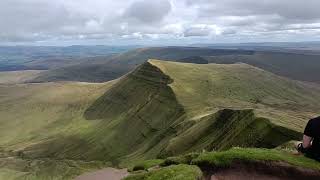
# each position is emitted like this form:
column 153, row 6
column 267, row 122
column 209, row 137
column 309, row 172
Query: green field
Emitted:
column 158, row 110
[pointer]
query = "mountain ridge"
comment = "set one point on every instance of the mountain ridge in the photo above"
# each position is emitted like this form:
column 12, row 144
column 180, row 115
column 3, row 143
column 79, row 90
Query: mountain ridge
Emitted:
column 160, row 109
column 149, row 101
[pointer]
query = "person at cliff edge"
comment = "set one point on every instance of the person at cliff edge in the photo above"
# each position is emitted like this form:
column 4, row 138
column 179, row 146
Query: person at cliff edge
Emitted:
column 310, row 145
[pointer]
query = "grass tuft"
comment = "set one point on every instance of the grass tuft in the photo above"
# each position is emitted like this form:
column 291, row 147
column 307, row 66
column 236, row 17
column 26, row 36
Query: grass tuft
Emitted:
column 182, row 159
column 225, row 158
column 145, row 165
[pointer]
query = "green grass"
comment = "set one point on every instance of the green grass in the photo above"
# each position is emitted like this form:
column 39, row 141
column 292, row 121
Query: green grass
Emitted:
column 6, row 173
column 182, row 159
column 44, row 169
column 225, row 158
column 228, row 128
column 203, row 89
column 35, row 113
column 175, row 172
column 32, row 113
column 145, row 165
column 176, row 167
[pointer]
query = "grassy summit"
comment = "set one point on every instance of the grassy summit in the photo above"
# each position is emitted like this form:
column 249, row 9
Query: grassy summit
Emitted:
column 160, row 109
column 226, row 158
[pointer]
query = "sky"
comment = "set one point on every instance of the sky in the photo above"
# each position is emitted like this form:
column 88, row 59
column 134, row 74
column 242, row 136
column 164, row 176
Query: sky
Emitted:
column 150, row 22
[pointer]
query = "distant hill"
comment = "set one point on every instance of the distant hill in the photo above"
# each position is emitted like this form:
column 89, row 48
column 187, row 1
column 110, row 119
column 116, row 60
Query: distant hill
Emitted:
column 111, row 68
column 296, row 66
column 194, row 59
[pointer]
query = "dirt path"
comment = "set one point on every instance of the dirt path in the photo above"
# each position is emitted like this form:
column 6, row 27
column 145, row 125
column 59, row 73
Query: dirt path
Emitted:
column 262, row 171
column 104, row 174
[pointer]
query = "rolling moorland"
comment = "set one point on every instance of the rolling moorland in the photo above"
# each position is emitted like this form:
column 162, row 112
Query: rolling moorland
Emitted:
column 161, row 109
column 297, row 65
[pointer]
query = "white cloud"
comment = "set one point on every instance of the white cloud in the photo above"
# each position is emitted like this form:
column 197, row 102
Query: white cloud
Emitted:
column 202, row 30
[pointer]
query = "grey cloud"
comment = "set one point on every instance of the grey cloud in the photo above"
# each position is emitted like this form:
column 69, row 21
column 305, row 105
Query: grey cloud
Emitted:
column 147, row 11
column 27, row 20
column 229, row 31
column 291, row 9
column 197, row 31
column 254, row 17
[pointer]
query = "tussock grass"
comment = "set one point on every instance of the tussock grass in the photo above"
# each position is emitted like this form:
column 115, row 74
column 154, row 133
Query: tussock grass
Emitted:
column 225, row 158
column 44, row 169
column 145, row 165
column 182, row 159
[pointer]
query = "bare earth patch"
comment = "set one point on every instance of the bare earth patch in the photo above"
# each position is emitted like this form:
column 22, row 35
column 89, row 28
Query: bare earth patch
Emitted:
column 261, row 171
column 104, row 174
column 243, row 175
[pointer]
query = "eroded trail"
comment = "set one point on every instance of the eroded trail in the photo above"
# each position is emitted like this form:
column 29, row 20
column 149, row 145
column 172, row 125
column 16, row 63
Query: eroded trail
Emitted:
column 261, row 170
column 104, row 174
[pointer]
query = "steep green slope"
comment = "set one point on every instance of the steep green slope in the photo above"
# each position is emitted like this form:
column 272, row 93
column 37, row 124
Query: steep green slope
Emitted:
column 228, row 128
column 135, row 116
column 32, row 114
